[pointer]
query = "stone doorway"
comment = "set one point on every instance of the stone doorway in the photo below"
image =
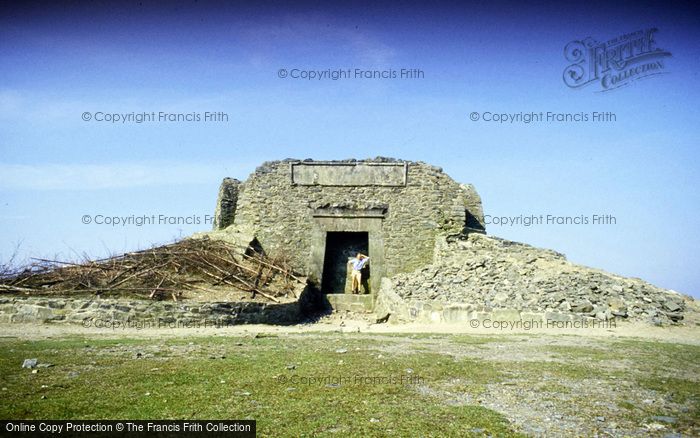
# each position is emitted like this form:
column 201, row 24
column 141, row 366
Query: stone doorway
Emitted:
column 341, row 246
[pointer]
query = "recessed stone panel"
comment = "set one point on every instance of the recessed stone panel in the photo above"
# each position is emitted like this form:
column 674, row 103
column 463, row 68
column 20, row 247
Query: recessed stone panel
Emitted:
column 349, row 174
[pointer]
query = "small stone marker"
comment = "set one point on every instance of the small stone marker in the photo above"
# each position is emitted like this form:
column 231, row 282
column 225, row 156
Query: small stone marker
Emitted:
column 29, row 363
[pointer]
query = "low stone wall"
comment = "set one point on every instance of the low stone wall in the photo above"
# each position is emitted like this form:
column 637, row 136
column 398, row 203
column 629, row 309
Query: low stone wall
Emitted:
column 119, row 312
column 392, row 307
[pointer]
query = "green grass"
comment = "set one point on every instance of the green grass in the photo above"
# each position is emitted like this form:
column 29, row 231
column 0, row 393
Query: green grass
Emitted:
column 387, row 385
column 181, row 380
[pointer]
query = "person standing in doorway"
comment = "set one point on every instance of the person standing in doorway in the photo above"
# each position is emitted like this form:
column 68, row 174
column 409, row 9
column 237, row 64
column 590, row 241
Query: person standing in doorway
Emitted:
column 358, row 263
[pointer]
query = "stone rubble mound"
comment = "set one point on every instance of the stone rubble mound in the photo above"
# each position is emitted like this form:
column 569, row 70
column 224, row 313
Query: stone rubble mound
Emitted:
column 493, row 273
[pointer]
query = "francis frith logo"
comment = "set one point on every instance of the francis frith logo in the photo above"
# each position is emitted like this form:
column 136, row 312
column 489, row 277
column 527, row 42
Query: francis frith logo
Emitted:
column 616, row 62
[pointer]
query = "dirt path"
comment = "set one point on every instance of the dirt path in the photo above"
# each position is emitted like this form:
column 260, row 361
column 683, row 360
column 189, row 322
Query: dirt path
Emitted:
column 679, row 334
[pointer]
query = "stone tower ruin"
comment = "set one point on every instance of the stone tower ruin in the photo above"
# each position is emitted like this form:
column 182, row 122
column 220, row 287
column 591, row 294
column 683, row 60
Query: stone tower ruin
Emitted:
column 430, row 257
column 319, row 213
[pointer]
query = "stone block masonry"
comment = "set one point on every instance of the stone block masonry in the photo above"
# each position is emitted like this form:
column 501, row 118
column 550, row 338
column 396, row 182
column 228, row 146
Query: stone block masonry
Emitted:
column 123, row 313
column 226, row 205
column 290, row 205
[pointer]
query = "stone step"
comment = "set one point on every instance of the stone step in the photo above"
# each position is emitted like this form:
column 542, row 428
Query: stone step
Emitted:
column 351, row 303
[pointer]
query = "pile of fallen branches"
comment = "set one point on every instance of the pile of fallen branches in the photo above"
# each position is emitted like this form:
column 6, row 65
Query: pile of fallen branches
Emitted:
column 168, row 270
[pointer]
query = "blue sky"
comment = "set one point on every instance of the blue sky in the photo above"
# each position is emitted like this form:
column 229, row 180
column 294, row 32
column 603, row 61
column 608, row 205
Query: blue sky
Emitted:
column 192, row 57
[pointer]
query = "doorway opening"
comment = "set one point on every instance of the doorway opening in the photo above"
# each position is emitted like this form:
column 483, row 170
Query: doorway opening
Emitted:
column 340, row 248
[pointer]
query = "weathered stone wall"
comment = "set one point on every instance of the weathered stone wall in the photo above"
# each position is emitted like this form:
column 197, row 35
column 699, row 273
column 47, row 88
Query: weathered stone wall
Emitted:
column 415, row 208
column 226, row 203
column 99, row 313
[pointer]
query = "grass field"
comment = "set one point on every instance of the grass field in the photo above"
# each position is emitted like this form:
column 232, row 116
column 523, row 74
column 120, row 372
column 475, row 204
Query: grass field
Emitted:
column 318, row 384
